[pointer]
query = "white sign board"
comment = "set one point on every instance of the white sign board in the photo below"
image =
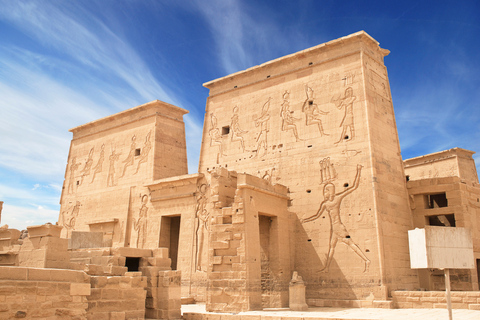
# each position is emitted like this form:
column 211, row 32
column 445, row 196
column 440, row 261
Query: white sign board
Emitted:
column 441, row 248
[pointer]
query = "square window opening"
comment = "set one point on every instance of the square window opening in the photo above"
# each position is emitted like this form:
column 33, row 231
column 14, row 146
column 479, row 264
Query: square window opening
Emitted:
column 447, row 220
column 438, row 200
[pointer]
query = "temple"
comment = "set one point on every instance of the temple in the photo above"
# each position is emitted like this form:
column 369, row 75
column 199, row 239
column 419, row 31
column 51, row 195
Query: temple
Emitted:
column 300, row 173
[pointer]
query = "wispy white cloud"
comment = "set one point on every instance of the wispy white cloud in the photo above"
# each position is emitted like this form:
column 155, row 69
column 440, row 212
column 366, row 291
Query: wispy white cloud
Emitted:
column 19, row 217
column 86, row 39
column 244, row 36
column 78, row 70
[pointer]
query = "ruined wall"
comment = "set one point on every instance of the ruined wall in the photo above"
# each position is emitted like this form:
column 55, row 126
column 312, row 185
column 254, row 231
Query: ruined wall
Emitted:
column 119, row 297
column 436, row 299
column 109, row 162
column 178, row 211
column 455, row 162
column 321, row 122
column 32, row 293
column 449, row 202
column 249, row 257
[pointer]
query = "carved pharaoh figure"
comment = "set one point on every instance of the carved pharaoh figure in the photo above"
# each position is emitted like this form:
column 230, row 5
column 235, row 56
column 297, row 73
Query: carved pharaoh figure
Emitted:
column 215, row 136
column 98, row 166
column 129, row 160
column 338, row 232
column 145, row 150
column 237, row 133
column 73, row 167
column 88, row 165
column 347, row 121
column 111, row 169
column 262, row 121
column 140, row 225
column 312, row 112
column 288, row 121
column 201, row 231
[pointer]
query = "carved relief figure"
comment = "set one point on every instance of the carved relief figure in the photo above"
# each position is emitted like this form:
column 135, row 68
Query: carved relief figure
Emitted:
column 201, row 231
column 69, row 220
column 215, row 136
column 130, row 157
column 338, row 231
column 312, row 112
column 73, row 167
column 237, row 133
column 141, row 224
column 350, row 153
column 98, row 166
column 327, row 171
column 288, row 121
column 145, row 150
column 111, row 169
column 268, row 175
column 347, row 121
column 88, row 165
column 262, row 121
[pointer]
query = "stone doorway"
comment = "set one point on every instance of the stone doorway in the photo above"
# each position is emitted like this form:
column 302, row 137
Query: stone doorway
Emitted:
column 169, row 235
column 268, row 226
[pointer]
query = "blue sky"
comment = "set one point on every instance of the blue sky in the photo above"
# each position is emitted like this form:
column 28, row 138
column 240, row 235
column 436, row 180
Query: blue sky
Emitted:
column 65, row 63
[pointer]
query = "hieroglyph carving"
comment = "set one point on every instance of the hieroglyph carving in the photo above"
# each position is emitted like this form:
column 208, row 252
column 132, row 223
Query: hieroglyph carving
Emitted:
column 98, row 166
column 129, row 160
column 288, row 121
column 111, row 169
column 378, row 83
column 268, row 175
column 347, row 121
column 262, row 121
column 237, row 133
column 145, row 150
column 350, row 153
column 348, row 78
column 312, row 112
column 327, row 171
column 201, row 230
column 215, row 136
column 69, row 219
column 73, row 167
column 338, row 232
column 88, row 165
column 140, row 225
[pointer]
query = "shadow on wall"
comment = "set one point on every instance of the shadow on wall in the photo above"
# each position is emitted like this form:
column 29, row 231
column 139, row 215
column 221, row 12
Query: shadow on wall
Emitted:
column 310, row 261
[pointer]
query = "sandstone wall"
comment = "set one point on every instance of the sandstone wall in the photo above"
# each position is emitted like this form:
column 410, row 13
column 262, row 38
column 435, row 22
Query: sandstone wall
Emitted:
column 121, row 297
column 110, row 160
column 458, row 205
column 43, row 293
column 436, row 299
column 322, row 119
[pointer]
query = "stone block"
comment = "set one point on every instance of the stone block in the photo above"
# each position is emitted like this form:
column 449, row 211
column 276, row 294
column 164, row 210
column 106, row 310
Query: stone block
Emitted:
column 46, row 230
column 383, row 304
column 117, row 315
column 13, row 273
column 98, row 281
column 131, row 252
column 220, row 244
column 95, row 294
column 160, row 253
column 85, row 239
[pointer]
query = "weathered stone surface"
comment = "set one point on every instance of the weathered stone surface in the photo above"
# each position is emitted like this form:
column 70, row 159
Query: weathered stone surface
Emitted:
column 300, row 169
